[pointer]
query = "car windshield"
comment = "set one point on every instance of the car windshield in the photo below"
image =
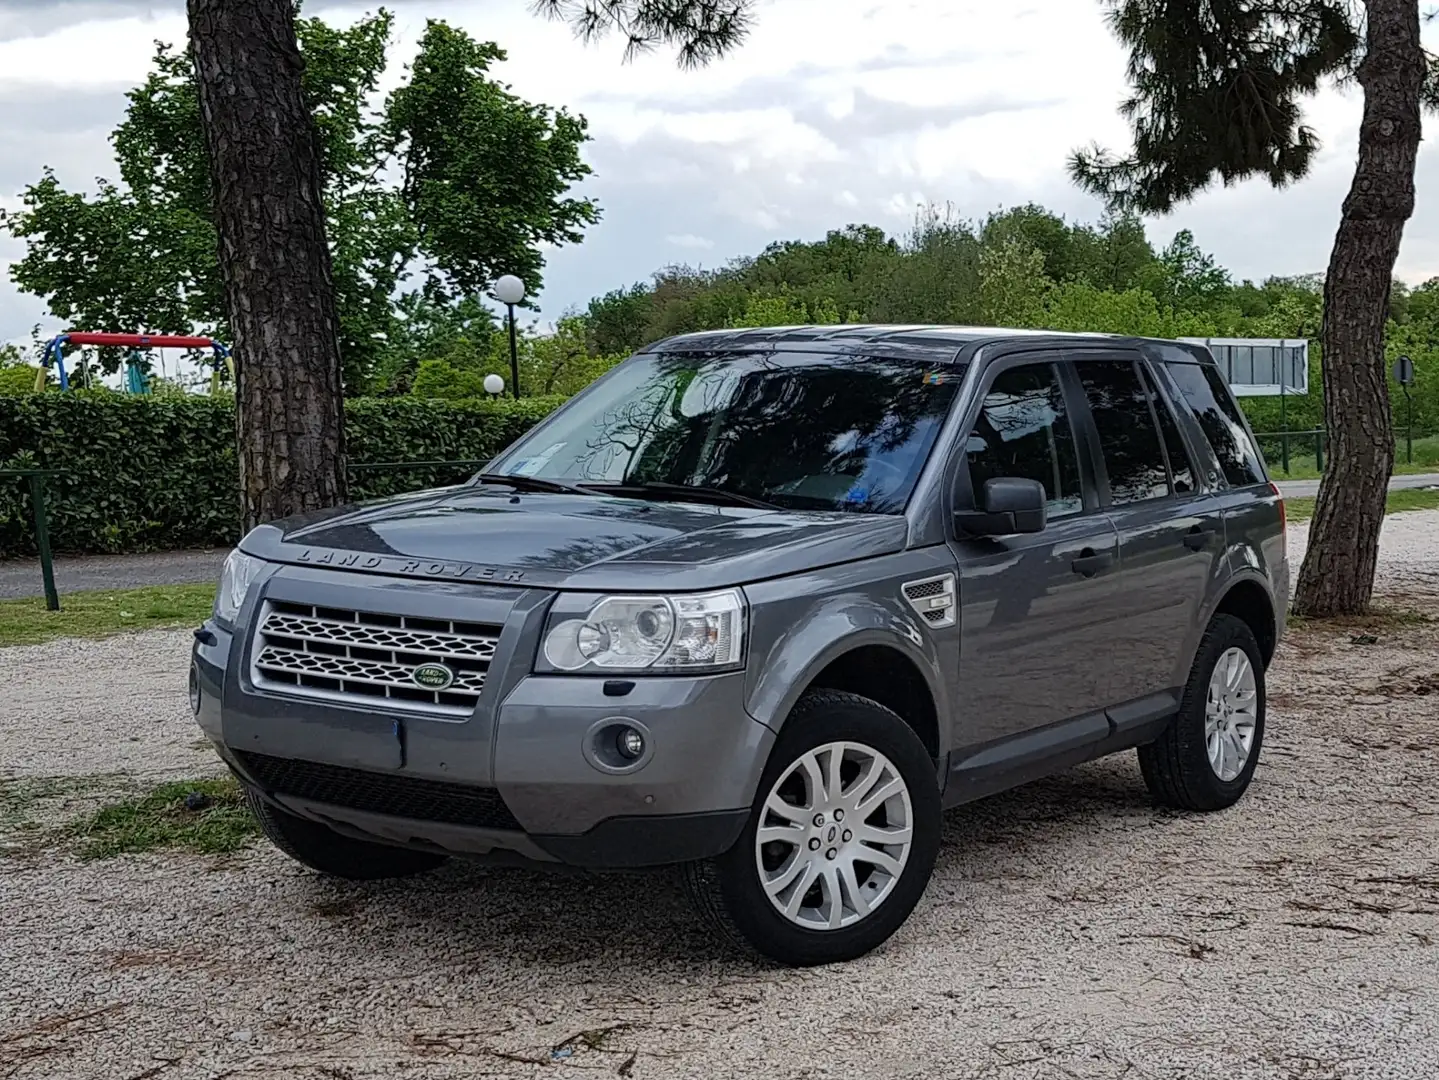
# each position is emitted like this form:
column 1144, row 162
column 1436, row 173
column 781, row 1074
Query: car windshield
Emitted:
column 805, row 431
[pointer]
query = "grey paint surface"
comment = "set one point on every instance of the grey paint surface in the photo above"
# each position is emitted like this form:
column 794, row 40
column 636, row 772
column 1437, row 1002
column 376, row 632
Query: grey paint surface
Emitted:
column 1047, row 663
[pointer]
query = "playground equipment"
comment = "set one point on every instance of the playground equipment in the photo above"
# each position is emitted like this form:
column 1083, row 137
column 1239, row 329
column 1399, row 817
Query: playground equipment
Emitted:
column 134, row 377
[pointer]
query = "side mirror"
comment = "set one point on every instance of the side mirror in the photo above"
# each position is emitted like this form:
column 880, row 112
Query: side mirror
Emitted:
column 1010, row 505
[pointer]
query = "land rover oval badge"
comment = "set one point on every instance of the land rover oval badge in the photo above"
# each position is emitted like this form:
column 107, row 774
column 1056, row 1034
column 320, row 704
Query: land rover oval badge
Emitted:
column 432, row 676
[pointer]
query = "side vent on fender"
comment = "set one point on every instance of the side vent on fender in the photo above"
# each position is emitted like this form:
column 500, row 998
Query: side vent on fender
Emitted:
column 933, row 599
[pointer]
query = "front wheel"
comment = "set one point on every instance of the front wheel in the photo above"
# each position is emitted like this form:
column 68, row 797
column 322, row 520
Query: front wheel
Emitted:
column 840, row 843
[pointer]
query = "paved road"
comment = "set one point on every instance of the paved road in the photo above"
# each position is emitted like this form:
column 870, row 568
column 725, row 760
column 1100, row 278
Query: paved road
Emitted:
column 1307, row 489
column 21, row 577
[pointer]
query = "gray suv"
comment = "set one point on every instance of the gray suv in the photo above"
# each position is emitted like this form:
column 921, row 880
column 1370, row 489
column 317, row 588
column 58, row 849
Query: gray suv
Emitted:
column 761, row 604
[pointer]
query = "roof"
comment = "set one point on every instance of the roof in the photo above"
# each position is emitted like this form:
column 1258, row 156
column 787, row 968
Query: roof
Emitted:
column 922, row 342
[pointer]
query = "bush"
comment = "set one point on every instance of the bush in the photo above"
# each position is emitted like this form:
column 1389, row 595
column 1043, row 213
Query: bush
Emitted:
column 18, row 378
column 147, row 473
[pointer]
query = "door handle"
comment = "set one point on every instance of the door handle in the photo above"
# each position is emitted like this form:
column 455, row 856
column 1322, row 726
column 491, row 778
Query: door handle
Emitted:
column 1088, row 563
column 1197, row 539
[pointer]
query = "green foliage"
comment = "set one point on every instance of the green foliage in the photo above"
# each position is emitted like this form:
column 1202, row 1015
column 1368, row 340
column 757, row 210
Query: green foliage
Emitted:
column 945, row 270
column 460, row 332
column 485, row 177
column 158, row 472
column 558, row 363
column 1012, row 284
column 787, row 311
column 442, row 379
column 1217, row 87
column 16, row 376
column 18, row 379
column 485, row 172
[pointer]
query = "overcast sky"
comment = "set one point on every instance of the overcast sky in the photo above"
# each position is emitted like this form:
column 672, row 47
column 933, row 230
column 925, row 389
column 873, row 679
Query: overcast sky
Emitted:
column 835, row 111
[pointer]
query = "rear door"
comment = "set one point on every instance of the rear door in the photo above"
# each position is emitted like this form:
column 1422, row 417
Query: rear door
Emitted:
column 1033, row 607
column 1171, row 532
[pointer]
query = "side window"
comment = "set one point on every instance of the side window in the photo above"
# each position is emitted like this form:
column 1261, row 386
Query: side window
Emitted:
column 1127, row 435
column 1023, row 431
column 1180, row 467
column 1203, row 390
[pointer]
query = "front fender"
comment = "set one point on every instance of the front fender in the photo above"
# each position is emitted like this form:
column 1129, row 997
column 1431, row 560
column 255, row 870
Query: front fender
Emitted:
column 815, row 636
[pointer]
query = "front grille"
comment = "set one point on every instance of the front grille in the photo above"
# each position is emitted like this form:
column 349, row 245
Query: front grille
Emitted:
column 380, row 793
column 366, row 658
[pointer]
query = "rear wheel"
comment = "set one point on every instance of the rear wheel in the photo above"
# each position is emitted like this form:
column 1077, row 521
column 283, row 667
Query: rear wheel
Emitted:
column 1207, row 756
column 840, row 843
column 327, row 851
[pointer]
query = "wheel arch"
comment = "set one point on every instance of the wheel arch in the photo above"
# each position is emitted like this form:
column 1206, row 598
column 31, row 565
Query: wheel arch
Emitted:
column 1248, row 599
column 874, row 652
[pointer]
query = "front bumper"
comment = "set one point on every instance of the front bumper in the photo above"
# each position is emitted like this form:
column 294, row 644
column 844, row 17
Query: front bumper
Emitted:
column 519, row 779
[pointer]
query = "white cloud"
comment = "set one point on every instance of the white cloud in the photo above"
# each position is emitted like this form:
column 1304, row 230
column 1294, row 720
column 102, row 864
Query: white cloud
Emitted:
column 836, row 111
column 690, row 240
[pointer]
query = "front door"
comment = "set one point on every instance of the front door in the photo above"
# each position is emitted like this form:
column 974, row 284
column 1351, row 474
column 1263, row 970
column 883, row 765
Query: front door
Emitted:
column 1033, row 607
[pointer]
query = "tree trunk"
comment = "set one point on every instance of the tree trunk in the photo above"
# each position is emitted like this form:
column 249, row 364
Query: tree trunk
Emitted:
column 265, row 169
column 1337, row 577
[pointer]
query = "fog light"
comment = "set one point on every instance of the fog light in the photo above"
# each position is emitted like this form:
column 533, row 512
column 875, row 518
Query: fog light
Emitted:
column 194, row 691
column 630, row 743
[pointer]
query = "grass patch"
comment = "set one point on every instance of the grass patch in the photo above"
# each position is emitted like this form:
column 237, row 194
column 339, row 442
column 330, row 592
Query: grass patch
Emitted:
column 1382, row 618
column 1397, row 503
column 104, row 612
column 160, row 820
column 30, row 807
column 1303, row 466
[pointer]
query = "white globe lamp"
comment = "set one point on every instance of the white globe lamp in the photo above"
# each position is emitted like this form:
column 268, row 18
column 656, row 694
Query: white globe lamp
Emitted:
column 510, row 290
column 494, row 384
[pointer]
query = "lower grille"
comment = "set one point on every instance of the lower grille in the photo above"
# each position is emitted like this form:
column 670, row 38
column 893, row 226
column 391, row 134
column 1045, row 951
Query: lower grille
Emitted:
column 381, row 793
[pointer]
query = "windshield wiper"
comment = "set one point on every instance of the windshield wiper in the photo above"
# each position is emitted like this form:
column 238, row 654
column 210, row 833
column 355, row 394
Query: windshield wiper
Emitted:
column 695, row 492
column 531, row 483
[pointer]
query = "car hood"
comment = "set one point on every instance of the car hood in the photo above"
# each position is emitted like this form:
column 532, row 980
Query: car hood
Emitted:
column 574, row 541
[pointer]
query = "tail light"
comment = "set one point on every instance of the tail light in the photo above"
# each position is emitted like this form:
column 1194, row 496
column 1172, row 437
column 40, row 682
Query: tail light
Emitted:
column 1283, row 519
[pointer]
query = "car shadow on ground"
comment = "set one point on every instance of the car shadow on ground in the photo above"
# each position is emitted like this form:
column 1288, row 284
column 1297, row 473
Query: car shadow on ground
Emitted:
column 643, row 920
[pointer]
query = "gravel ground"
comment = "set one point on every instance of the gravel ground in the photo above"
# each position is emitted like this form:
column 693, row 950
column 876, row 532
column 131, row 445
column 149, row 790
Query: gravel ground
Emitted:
column 1070, row 930
column 1408, row 553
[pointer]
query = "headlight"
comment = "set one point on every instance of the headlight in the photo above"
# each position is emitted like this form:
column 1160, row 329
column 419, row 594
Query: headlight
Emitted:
column 239, row 574
column 646, row 633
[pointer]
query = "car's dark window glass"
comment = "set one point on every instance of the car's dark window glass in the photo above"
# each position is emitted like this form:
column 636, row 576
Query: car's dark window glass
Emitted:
column 1180, row 468
column 807, row 431
column 1023, row 431
column 1204, row 392
column 1128, row 438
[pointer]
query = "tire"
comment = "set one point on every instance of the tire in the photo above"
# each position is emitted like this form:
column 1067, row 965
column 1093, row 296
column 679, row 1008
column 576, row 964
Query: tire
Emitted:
column 321, row 848
column 1178, row 768
column 877, row 748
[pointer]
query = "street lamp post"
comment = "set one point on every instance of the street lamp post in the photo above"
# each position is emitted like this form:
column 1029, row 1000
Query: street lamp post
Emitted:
column 510, row 290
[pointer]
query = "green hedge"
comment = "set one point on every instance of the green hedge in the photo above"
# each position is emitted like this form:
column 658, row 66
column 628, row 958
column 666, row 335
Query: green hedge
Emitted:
column 145, row 473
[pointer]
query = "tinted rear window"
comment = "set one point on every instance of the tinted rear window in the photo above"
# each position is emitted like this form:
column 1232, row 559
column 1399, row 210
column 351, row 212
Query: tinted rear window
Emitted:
column 1119, row 403
column 1213, row 406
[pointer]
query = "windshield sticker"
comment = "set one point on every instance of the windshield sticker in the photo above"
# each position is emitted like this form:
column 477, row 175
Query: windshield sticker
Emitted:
column 531, row 466
column 935, row 378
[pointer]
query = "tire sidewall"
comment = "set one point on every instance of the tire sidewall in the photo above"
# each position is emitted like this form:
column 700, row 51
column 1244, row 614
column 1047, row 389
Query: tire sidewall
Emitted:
column 823, row 719
column 1229, row 633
